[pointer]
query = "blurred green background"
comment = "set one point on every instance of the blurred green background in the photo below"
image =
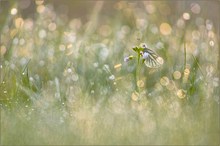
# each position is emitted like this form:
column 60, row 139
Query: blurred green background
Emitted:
column 63, row 79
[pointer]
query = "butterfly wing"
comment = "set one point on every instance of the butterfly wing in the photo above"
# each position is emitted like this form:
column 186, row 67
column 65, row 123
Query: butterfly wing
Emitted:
column 152, row 60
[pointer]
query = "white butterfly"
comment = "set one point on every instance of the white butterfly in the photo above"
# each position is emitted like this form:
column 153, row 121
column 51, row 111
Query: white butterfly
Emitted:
column 150, row 58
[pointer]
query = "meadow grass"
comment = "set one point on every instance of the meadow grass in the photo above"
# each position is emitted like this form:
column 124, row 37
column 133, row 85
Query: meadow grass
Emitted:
column 64, row 80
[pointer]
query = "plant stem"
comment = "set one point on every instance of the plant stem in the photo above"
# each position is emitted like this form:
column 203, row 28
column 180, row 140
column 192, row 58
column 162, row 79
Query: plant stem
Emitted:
column 184, row 55
column 138, row 74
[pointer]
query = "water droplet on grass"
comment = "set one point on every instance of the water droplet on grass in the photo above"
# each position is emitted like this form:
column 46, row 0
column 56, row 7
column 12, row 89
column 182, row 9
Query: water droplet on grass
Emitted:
column 176, row 75
column 140, row 83
column 118, row 66
column 186, row 16
column 41, row 8
column 165, row 29
column 135, row 96
column 14, row 11
column 164, row 81
column 186, row 71
column 112, row 77
column 69, row 70
column 211, row 43
column 181, row 93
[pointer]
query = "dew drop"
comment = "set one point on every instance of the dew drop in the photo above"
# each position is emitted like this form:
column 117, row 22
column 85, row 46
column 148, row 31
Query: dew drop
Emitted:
column 211, row 43
column 19, row 22
column 39, row 2
column 165, row 29
column 40, row 8
column 69, row 70
column 140, row 83
column 186, row 71
column 186, row 16
column 181, row 93
column 164, row 81
column 118, row 66
column 112, row 77
column 135, row 96
column 14, row 11
column 176, row 75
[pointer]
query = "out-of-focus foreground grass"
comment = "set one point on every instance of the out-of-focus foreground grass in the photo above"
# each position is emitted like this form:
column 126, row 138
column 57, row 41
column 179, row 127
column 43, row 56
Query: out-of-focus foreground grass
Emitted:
column 63, row 79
